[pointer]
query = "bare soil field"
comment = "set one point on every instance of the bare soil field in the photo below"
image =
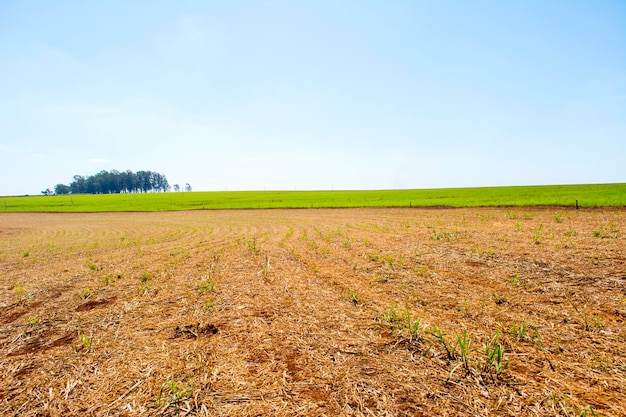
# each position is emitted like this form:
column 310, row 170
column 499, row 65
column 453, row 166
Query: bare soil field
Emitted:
column 364, row 312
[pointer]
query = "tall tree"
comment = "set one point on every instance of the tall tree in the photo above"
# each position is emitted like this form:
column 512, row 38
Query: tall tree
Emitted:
column 61, row 189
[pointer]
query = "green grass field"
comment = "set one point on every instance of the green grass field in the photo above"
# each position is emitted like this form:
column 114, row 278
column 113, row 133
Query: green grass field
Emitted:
column 591, row 195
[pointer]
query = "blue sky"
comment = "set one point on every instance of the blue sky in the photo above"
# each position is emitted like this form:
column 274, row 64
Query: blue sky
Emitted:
column 244, row 95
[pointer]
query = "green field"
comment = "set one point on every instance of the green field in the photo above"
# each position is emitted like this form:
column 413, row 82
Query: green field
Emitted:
column 590, row 195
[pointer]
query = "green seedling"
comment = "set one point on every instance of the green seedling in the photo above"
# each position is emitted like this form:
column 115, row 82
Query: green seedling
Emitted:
column 266, row 267
column 86, row 293
column 494, row 355
column 587, row 411
column 206, row 285
column 462, row 308
column 420, row 270
column 539, row 344
column 391, row 316
column 389, row 261
column 482, row 252
column 597, row 321
column 443, row 235
column 354, row 296
column 607, row 231
column 464, row 342
column 144, row 283
column 20, row 292
column 85, row 341
column 519, row 331
column 252, row 244
column 537, row 238
column 516, row 280
column 602, row 365
column 572, row 411
column 380, row 278
column 405, row 324
column 497, row 299
column 372, row 257
column 294, row 253
column 109, row 278
column 174, row 391
column 413, row 327
column 584, row 314
column 450, row 350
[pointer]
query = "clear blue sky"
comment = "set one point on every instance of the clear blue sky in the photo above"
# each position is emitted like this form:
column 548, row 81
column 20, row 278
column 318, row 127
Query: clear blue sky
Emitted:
column 313, row 94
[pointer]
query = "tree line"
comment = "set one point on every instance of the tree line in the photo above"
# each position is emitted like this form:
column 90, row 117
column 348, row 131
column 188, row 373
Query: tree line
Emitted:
column 114, row 182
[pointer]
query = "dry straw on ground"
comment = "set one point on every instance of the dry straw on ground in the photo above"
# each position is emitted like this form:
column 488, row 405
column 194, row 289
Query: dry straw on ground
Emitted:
column 470, row 312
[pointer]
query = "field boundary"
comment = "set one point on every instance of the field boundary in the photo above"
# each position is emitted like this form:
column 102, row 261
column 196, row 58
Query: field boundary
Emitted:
column 551, row 196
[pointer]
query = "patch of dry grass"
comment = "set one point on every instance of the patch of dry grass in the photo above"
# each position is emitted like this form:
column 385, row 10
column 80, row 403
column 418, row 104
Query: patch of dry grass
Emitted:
column 314, row 312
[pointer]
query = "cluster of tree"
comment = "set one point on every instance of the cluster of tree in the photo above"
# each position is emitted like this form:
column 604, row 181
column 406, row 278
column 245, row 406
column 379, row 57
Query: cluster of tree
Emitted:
column 114, row 182
column 177, row 187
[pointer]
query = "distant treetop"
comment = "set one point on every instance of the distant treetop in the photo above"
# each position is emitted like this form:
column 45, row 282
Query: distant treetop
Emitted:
column 115, row 182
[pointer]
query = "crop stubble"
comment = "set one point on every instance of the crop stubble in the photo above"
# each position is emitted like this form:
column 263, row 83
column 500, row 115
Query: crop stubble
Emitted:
column 254, row 312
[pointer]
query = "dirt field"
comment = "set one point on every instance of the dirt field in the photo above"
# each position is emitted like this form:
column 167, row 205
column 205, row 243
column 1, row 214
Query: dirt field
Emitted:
column 373, row 312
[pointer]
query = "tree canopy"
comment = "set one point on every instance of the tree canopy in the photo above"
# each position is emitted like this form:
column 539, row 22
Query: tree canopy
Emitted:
column 115, row 182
